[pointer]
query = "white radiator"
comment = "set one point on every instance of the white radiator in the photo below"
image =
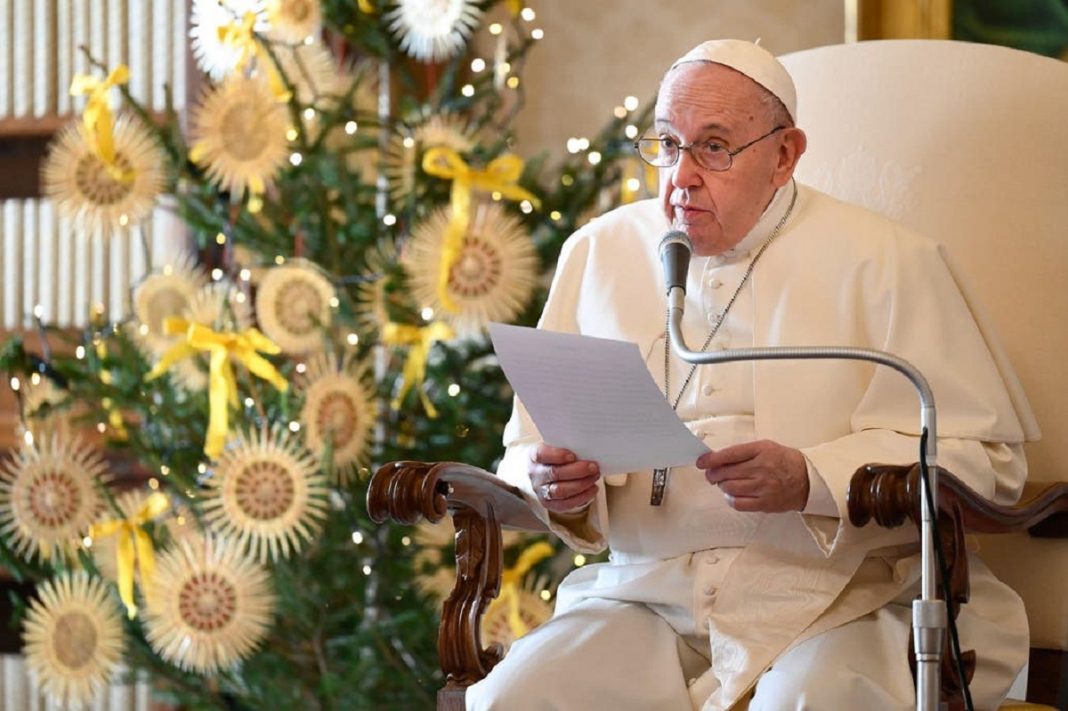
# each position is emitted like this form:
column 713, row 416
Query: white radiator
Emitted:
column 46, row 262
column 40, row 55
column 19, row 693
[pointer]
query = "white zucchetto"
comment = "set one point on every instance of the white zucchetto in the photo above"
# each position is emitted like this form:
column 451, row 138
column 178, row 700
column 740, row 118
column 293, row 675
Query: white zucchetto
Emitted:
column 750, row 59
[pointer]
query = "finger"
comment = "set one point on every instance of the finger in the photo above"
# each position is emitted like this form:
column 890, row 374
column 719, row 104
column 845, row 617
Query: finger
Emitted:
column 572, row 503
column 728, row 473
column 742, row 487
column 734, row 454
column 548, row 473
column 547, row 454
column 562, row 490
column 745, row 504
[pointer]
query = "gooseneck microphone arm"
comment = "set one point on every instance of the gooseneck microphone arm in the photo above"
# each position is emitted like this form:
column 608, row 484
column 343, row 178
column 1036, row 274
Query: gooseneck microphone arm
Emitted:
column 928, row 613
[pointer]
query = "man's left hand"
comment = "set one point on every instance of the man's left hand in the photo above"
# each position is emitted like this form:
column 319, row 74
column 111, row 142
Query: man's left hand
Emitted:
column 759, row 476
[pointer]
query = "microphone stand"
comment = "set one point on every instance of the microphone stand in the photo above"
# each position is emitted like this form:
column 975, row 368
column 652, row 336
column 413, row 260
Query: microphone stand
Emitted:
column 928, row 613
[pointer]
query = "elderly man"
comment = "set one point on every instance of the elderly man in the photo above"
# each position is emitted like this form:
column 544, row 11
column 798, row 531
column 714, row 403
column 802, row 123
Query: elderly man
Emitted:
column 740, row 578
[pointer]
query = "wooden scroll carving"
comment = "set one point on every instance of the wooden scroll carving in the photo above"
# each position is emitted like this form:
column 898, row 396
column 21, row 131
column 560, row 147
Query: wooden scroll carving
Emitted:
column 479, row 503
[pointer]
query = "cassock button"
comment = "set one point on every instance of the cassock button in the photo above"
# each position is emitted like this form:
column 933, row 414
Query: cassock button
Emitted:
column 715, row 283
column 710, row 590
column 708, row 390
column 712, row 559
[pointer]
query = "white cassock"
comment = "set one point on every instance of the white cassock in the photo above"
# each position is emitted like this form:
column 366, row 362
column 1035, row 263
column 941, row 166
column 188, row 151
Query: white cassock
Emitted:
column 699, row 603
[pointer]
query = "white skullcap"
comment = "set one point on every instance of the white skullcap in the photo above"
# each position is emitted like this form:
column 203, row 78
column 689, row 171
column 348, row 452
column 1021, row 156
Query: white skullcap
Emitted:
column 751, row 60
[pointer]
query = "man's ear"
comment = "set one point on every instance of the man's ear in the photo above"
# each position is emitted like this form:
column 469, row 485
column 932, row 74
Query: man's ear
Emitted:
column 791, row 147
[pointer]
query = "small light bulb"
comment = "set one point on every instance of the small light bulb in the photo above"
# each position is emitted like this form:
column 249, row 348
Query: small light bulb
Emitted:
column 406, row 541
column 35, row 378
column 124, row 220
column 366, row 570
column 526, row 207
column 87, row 542
column 249, row 402
column 357, row 537
column 513, row 82
column 574, row 145
column 545, row 595
column 244, row 275
column 478, row 64
column 631, row 103
column 580, row 560
column 216, row 274
column 296, row 159
column 633, row 184
column 15, row 384
column 294, row 426
column 101, row 427
column 427, row 313
column 240, row 297
column 467, row 90
column 631, row 131
column 301, row 368
column 153, row 483
column 496, row 28
column 408, row 142
column 28, row 438
column 350, row 127
column 164, row 470
column 389, row 219
column 594, row 157
column 527, row 14
column 537, row 33
column 79, row 352
column 555, row 215
column 279, row 260
column 220, row 238
column 352, row 339
column 202, row 467
column 38, row 312
column 309, row 113
column 619, row 112
column 454, row 390
column 291, row 134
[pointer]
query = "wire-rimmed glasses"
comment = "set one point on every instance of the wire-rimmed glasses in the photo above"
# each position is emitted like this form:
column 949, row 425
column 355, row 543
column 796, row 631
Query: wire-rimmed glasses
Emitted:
column 710, row 155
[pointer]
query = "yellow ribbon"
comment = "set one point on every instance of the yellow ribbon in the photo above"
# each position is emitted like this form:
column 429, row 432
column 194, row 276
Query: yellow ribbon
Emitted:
column 366, row 6
column 97, row 118
column 510, row 581
column 241, row 35
column 134, row 547
column 500, row 176
column 222, row 388
column 419, row 340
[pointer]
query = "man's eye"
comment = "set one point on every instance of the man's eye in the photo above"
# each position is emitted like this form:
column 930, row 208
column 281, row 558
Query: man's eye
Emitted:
column 668, row 144
column 713, row 147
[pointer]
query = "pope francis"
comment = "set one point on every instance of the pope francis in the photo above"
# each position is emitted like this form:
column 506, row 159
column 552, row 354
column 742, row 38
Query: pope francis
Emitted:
column 740, row 579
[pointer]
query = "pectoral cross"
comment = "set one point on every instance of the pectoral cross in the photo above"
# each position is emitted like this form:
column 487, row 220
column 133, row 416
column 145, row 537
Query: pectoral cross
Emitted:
column 660, row 477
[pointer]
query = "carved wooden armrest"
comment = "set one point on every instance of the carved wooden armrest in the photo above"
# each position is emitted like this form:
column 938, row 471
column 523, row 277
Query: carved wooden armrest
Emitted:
column 479, row 503
column 890, row 495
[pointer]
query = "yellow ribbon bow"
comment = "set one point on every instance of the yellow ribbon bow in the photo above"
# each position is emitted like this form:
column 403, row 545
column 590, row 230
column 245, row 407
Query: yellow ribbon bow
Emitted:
column 419, row 340
column 98, row 120
column 500, row 176
column 241, row 36
column 134, row 547
column 510, row 581
column 243, row 347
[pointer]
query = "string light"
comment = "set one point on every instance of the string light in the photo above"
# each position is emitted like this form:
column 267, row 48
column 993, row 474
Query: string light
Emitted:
column 496, row 196
column 574, row 145
column 555, row 215
column 526, row 207
column 545, row 595
column 296, row 159
column 249, row 402
column 478, row 64
column 594, row 157
column 240, row 297
column 244, row 275
column 427, row 313
column 631, row 103
column 279, row 260
column 301, row 367
column 357, row 537
column 633, row 184
column 101, row 427
column 527, row 14
column 294, row 426
column 291, row 134
column 631, row 131
column 38, row 312
column 350, row 127
column 216, row 274
column 496, row 28
column 467, row 90
column 537, row 33
column 619, row 112
column 202, row 467
column 309, row 113
column 513, row 82
column 124, row 220
column 35, row 378
column 454, row 390
column 15, row 384
column 352, row 339
column 366, row 570
column 28, row 438
column 164, row 470
column 580, row 560
column 389, row 219
column 220, row 238
column 79, row 352
column 87, row 542
column 153, row 483
column 408, row 142
column 567, row 181
column 406, row 541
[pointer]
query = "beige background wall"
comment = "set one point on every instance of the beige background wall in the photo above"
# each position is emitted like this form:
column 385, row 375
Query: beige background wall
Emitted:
column 596, row 52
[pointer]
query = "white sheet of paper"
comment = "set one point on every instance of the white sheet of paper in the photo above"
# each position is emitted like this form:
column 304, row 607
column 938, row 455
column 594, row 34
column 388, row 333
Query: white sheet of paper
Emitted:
column 595, row 397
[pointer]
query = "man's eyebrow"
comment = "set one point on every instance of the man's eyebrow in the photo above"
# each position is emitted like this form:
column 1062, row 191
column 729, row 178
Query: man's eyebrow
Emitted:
column 708, row 127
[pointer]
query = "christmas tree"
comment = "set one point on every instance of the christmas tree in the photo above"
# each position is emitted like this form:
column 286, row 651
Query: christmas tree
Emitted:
column 360, row 216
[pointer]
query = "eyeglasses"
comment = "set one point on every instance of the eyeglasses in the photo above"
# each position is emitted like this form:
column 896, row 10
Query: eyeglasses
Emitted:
column 710, row 155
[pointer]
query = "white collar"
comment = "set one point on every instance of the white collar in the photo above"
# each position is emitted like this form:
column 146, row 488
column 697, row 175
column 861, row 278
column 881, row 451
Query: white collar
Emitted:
column 762, row 230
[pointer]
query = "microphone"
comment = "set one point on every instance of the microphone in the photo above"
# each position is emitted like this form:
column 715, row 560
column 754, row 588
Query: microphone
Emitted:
column 675, row 251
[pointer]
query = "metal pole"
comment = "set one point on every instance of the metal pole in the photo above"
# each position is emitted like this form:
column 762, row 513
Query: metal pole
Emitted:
column 928, row 613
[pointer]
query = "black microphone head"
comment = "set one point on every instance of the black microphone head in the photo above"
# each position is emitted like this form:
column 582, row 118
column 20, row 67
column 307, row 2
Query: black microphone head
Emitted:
column 675, row 250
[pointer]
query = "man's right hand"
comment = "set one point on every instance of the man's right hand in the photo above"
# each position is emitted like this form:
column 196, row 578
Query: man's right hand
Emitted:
column 562, row 482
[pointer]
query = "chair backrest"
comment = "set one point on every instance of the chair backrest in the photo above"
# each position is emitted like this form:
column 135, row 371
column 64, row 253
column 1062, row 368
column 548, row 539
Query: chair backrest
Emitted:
column 967, row 144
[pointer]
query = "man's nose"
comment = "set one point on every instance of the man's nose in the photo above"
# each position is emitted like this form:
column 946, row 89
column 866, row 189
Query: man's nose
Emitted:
column 686, row 172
